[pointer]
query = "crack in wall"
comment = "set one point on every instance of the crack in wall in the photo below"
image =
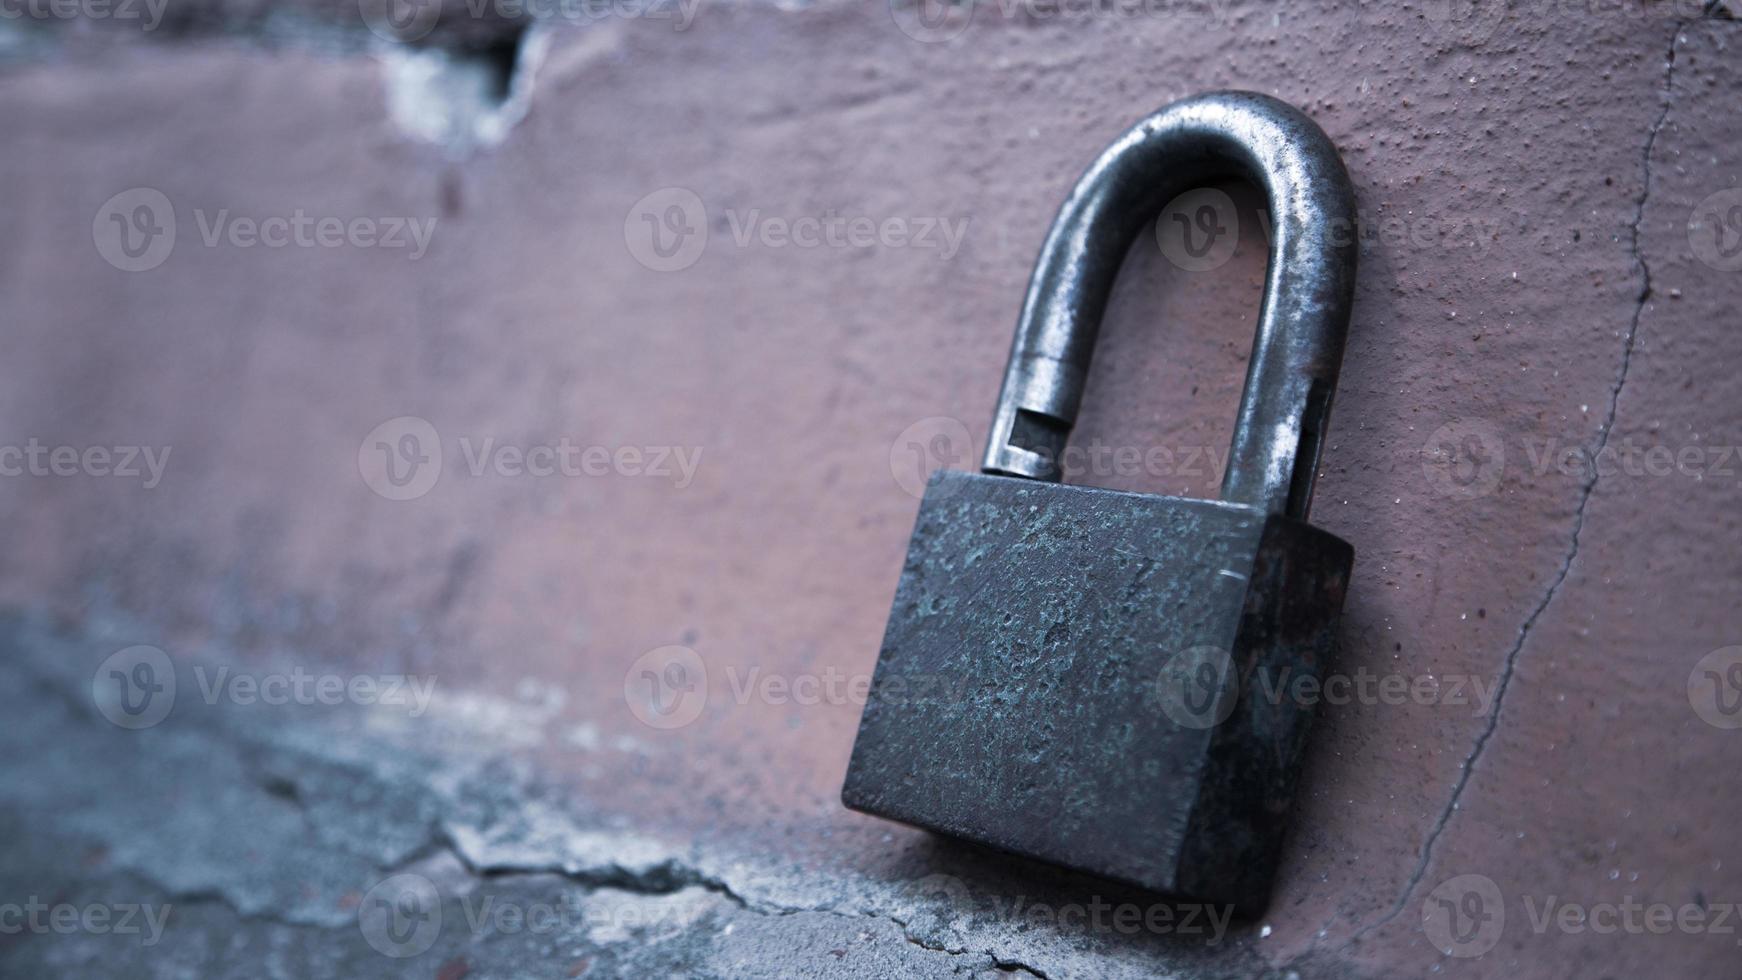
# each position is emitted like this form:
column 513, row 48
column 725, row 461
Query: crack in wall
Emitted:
column 673, row 876
column 1003, row 963
column 1586, row 490
column 665, row 878
column 266, row 771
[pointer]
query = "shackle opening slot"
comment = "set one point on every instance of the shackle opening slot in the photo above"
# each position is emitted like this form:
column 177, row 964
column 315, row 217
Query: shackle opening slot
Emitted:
column 1303, row 317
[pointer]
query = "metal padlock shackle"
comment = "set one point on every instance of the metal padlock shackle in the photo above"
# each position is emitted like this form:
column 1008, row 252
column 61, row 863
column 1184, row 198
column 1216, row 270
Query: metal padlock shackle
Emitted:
column 1308, row 291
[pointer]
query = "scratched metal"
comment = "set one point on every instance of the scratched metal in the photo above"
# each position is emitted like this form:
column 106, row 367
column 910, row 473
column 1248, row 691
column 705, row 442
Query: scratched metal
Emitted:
column 1021, row 694
column 1298, row 349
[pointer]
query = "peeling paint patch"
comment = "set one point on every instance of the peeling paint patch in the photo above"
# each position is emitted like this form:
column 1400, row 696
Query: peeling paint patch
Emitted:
column 620, row 916
column 538, row 837
column 462, row 101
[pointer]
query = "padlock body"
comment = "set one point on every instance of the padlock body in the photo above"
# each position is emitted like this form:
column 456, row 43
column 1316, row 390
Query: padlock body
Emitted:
column 1103, row 680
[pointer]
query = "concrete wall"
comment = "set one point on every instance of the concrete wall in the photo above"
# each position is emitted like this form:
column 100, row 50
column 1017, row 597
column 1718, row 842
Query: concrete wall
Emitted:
column 1550, row 197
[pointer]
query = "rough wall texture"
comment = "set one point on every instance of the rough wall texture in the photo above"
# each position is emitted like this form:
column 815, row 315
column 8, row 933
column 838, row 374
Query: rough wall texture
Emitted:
column 638, row 716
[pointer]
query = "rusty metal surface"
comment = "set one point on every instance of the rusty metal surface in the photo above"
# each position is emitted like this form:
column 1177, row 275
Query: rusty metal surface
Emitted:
column 1077, row 675
column 1303, row 317
column 1073, row 628
column 1547, row 298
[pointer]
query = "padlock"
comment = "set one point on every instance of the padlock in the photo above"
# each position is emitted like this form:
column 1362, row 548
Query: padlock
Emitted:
column 1111, row 681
